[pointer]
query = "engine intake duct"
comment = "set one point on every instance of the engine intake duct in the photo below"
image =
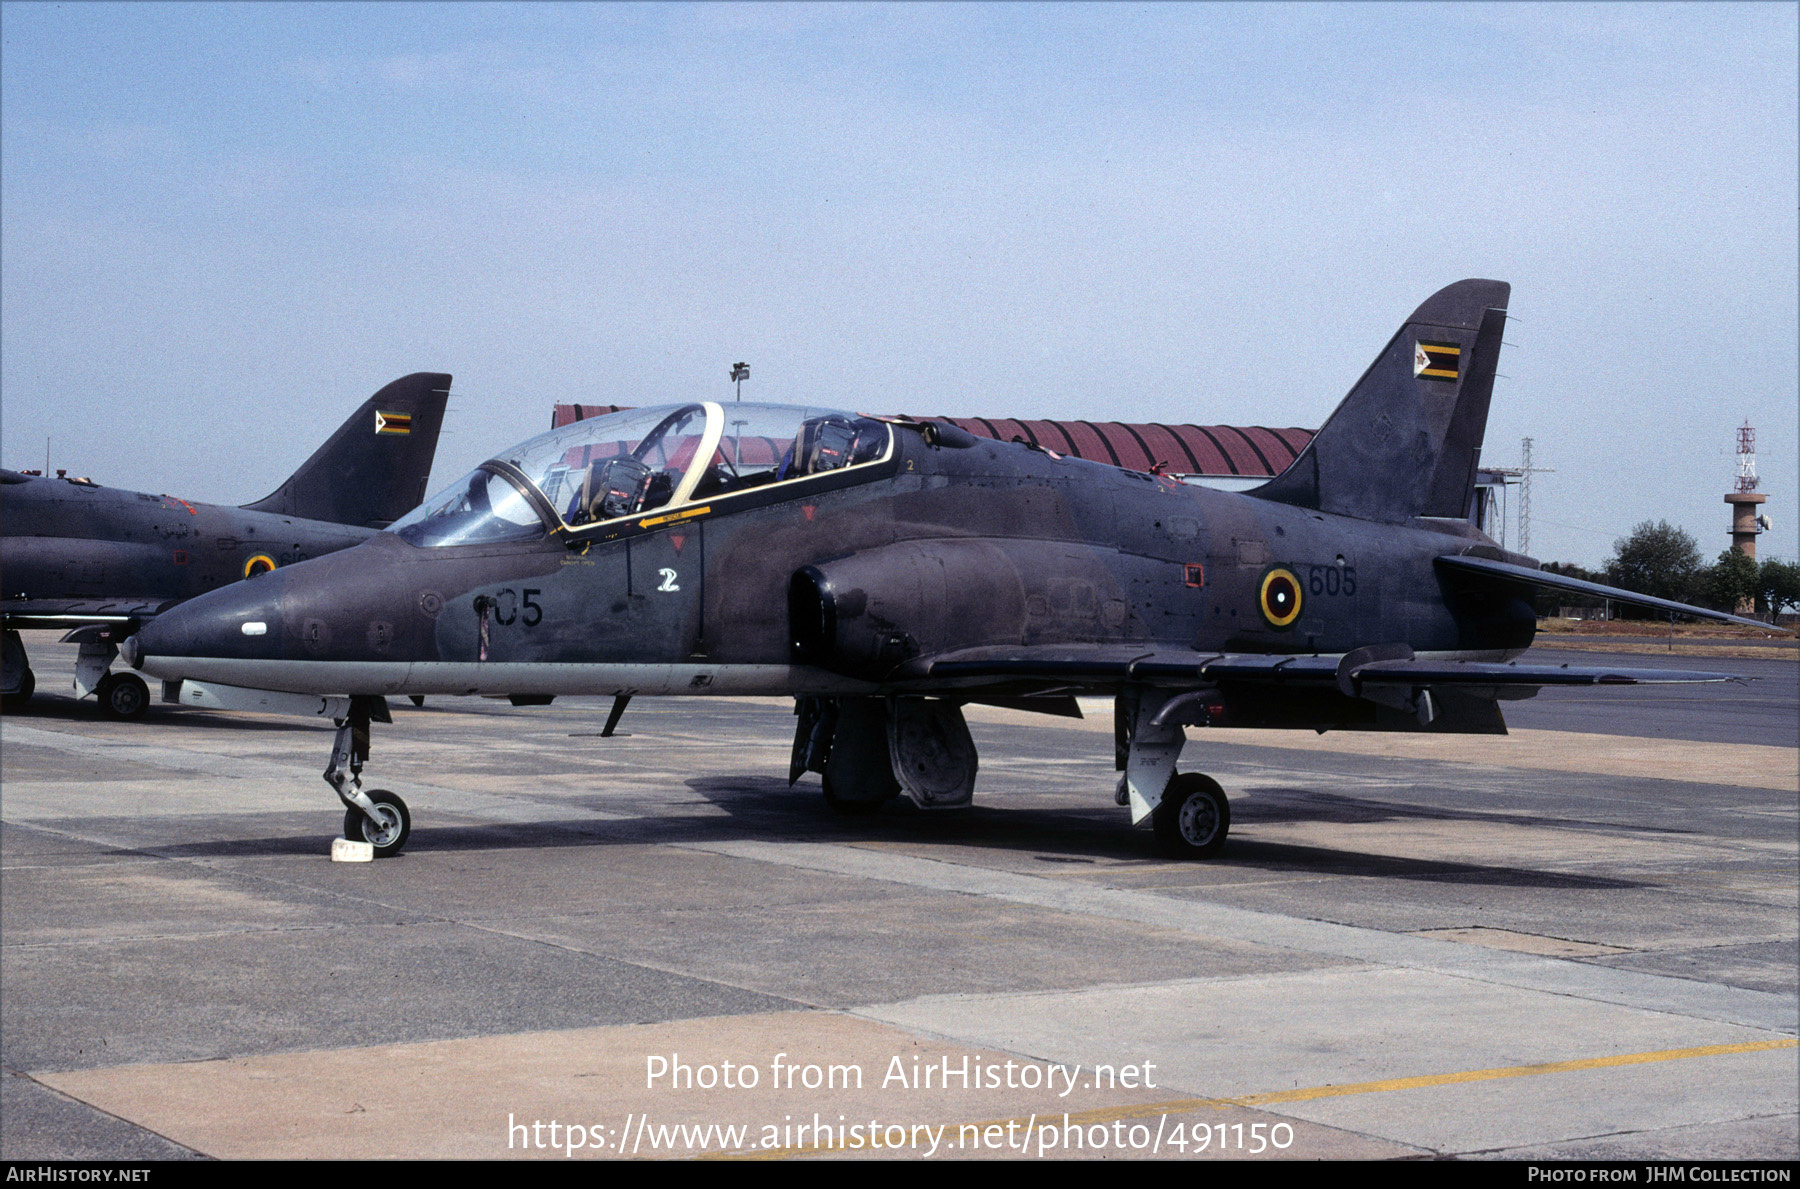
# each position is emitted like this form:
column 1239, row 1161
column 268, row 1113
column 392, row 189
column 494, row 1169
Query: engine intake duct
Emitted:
column 867, row 614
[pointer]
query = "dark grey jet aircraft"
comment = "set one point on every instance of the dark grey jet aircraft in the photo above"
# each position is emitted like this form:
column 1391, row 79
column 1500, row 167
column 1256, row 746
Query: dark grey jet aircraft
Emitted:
column 884, row 573
column 78, row 555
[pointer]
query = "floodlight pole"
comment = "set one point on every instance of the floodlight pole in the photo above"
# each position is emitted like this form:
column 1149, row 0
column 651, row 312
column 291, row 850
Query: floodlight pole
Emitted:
column 740, row 372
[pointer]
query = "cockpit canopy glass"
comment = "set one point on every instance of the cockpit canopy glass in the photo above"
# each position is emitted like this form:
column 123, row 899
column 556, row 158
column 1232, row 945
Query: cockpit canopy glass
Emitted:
column 628, row 463
column 480, row 508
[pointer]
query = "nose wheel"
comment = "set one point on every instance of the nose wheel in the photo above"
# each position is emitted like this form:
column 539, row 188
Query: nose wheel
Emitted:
column 387, row 831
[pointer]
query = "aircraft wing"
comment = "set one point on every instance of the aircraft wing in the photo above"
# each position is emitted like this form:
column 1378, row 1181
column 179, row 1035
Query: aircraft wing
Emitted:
column 62, row 613
column 1524, row 575
column 1380, row 665
column 1379, row 688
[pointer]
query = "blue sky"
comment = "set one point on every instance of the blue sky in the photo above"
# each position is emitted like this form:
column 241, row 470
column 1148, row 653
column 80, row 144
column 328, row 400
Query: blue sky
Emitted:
column 222, row 226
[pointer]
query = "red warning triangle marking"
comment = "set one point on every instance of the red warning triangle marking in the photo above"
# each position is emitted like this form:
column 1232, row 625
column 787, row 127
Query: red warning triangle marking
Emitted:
column 808, row 510
column 676, row 540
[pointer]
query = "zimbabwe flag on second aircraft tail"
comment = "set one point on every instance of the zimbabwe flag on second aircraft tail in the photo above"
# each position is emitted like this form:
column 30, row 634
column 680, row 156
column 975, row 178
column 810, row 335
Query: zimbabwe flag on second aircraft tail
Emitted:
column 1436, row 361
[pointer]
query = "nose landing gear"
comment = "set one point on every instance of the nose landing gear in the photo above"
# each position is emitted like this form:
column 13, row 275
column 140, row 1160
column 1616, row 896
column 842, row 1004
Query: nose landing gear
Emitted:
column 375, row 816
column 387, row 831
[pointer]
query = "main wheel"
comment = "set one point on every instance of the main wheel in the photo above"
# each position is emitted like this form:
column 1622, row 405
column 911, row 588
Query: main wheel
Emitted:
column 1193, row 818
column 859, row 775
column 845, row 806
column 123, row 696
column 22, row 695
column 387, row 836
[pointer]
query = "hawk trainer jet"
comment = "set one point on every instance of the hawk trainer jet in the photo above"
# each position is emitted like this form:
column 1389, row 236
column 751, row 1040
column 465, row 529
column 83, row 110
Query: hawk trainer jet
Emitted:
column 884, row 573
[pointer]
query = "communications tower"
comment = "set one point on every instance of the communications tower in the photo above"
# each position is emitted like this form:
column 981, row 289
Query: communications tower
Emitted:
column 1745, row 523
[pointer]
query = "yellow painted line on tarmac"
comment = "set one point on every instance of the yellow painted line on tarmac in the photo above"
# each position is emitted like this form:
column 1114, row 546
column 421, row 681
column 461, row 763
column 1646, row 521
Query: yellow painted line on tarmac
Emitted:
column 1182, row 1106
column 1510, row 1071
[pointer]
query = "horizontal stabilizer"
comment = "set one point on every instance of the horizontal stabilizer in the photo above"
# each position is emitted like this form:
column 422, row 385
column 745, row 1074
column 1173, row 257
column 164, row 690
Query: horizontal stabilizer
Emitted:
column 1541, row 578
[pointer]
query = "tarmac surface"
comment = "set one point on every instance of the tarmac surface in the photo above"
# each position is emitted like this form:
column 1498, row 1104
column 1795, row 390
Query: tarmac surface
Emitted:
column 1576, row 941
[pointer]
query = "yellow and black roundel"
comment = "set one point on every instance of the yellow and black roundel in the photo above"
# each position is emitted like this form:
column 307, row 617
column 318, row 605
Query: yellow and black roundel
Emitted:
column 1279, row 597
column 262, row 563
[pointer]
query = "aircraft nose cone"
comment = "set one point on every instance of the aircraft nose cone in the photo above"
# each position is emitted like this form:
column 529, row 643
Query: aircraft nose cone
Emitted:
column 239, row 622
column 276, row 630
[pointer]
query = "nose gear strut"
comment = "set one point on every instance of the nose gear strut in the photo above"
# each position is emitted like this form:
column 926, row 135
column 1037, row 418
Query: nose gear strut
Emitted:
column 377, row 816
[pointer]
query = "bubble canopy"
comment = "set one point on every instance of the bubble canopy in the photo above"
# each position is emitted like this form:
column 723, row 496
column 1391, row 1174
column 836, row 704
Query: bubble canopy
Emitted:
column 609, row 469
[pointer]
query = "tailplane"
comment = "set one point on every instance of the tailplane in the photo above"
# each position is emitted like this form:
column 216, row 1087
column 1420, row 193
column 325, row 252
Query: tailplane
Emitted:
column 1405, row 442
column 374, row 469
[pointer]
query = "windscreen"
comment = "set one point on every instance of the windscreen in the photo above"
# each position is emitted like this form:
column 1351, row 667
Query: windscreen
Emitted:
column 479, row 508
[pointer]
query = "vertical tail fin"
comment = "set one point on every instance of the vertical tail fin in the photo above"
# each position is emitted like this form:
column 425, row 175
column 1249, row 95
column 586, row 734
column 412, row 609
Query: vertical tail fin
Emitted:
column 374, row 469
column 1405, row 441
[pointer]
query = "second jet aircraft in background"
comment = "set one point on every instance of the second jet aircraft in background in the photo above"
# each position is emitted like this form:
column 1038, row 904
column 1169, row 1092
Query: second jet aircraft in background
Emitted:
column 103, row 562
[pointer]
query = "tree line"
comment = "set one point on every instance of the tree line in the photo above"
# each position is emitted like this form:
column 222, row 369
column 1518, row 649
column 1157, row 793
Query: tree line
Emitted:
column 1662, row 560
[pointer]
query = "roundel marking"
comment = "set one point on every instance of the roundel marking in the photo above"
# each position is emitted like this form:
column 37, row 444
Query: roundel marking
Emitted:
column 262, row 563
column 1279, row 597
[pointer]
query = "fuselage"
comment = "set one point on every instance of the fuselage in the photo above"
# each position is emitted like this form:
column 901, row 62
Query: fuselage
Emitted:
column 78, row 543
column 924, row 548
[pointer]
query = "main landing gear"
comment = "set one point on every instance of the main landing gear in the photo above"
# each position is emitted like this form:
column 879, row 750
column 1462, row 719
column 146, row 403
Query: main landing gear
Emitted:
column 375, row 816
column 1191, row 815
column 123, row 696
column 1192, row 818
column 19, row 679
column 870, row 750
column 867, row 751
